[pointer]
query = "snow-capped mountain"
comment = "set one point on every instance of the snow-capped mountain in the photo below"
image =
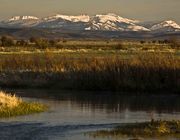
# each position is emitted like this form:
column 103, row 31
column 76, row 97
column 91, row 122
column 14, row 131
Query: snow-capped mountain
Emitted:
column 18, row 18
column 80, row 18
column 168, row 25
column 103, row 22
column 110, row 22
column 65, row 22
column 21, row 21
column 113, row 22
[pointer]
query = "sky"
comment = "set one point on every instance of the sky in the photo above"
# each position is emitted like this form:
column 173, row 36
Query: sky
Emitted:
column 144, row 10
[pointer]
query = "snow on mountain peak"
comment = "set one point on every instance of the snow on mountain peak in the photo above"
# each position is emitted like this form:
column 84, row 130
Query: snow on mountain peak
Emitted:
column 166, row 24
column 114, row 22
column 114, row 18
column 107, row 22
column 138, row 28
column 172, row 23
column 16, row 18
column 79, row 18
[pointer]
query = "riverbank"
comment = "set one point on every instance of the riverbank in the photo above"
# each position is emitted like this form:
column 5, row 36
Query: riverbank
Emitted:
column 70, row 114
column 151, row 129
column 10, row 106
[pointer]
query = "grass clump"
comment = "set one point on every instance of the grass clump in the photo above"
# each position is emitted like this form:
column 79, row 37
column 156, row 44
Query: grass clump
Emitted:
column 10, row 105
column 145, row 130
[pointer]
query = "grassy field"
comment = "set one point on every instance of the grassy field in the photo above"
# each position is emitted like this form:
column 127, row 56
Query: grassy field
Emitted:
column 90, row 65
column 95, row 45
column 10, row 106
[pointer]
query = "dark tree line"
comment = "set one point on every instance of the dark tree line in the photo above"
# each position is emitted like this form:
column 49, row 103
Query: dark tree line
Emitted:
column 8, row 41
column 42, row 43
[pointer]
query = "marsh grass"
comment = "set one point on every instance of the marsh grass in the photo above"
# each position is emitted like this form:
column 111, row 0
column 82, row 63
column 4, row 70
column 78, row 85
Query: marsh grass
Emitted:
column 139, row 72
column 10, row 105
column 145, row 130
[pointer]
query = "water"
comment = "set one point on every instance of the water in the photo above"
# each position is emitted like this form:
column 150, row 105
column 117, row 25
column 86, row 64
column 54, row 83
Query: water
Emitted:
column 72, row 114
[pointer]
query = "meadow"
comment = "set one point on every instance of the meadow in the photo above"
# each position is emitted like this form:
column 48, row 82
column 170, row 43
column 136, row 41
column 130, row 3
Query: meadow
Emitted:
column 92, row 65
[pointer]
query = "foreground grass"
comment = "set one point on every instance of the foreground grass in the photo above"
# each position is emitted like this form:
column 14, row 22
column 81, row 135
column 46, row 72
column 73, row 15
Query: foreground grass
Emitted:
column 14, row 106
column 145, row 130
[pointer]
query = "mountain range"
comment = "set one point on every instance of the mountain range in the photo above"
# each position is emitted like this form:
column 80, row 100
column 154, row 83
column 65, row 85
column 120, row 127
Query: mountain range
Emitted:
column 106, row 22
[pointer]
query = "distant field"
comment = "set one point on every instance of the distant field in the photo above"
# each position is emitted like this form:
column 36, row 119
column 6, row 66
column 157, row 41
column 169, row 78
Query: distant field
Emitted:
column 92, row 65
column 96, row 45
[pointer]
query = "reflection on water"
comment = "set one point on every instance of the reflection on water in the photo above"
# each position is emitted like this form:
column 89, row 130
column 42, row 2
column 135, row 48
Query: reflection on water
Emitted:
column 73, row 113
column 111, row 102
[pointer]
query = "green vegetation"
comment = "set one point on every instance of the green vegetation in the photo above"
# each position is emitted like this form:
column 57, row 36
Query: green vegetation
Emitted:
column 145, row 130
column 96, row 65
column 14, row 106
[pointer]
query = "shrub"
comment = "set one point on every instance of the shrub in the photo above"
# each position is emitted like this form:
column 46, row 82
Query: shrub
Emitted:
column 142, row 41
column 32, row 39
column 154, row 41
column 52, row 43
column 21, row 43
column 119, row 46
column 7, row 41
column 42, row 43
column 175, row 43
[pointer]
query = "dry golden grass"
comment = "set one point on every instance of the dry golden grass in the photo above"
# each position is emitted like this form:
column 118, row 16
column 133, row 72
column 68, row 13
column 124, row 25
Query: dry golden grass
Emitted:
column 140, row 72
column 10, row 105
column 9, row 101
column 153, row 129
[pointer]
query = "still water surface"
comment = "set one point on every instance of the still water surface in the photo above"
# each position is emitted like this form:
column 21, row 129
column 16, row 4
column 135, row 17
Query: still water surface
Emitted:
column 72, row 114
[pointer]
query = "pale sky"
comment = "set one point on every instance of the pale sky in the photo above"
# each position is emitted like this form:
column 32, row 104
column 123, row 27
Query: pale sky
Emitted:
column 145, row 10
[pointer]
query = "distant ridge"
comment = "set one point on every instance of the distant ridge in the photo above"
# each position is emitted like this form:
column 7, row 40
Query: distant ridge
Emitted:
column 99, row 22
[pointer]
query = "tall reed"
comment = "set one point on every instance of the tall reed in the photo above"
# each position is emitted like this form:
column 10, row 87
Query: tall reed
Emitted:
column 144, row 72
